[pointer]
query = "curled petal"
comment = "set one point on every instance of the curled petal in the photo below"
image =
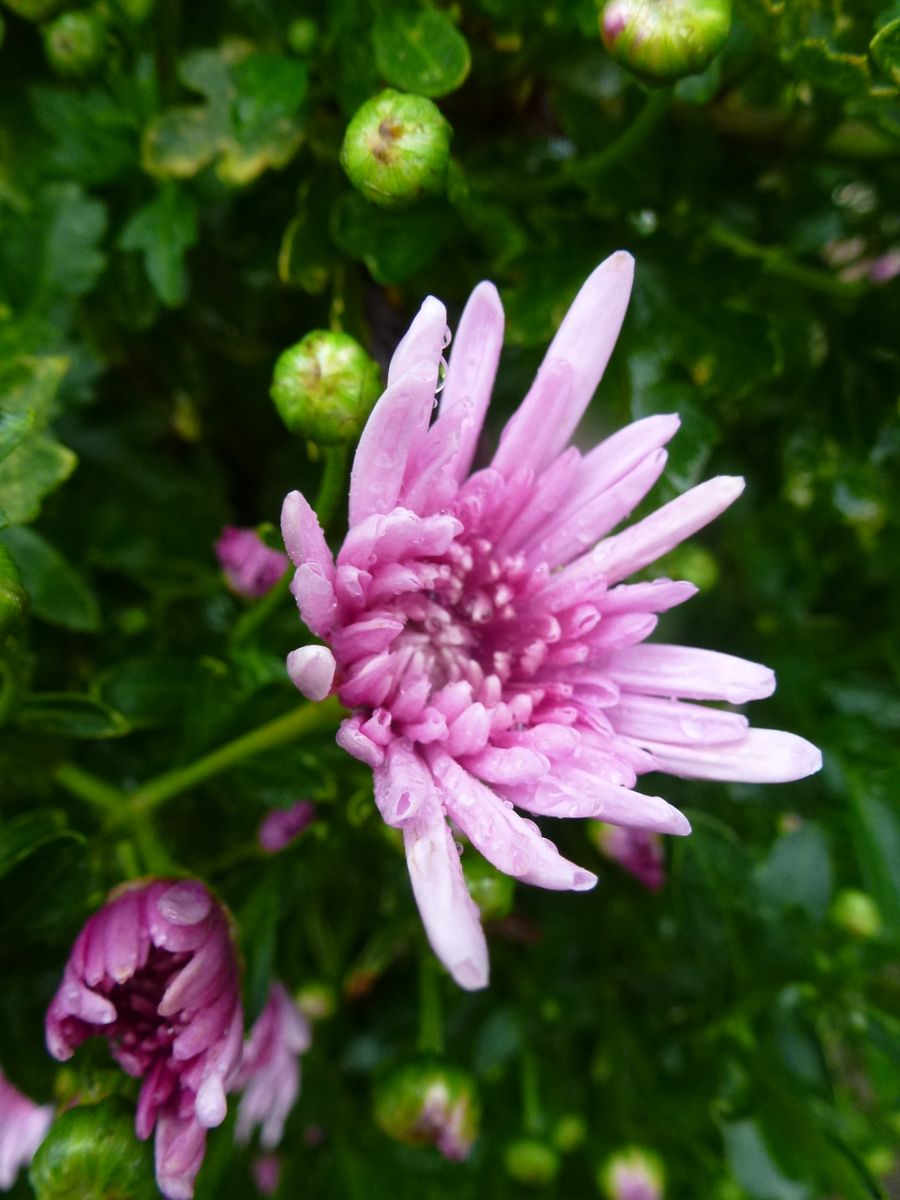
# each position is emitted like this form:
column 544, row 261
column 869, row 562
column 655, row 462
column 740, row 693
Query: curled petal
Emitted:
column 761, row 756
column 311, row 670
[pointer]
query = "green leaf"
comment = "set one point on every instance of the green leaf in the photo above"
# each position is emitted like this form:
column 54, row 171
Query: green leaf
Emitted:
column 179, row 143
column 24, row 835
column 36, row 467
column 58, row 593
column 14, row 427
column 755, row 1169
column 832, row 70
column 875, row 829
column 29, row 385
column 150, row 691
column 420, row 50
column 393, row 245
column 75, row 224
column 797, row 872
column 164, row 230
column 70, row 714
column 266, row 126
column 94, row 136
column 885, row 49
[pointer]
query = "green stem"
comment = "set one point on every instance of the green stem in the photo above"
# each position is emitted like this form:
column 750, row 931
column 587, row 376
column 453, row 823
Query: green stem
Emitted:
column 307, row 719
column 774, row 261
column 431, row 1019
column 250, row 621
column 332, row 488
column 88, row 787
column 532, row 1116
column 654, row 109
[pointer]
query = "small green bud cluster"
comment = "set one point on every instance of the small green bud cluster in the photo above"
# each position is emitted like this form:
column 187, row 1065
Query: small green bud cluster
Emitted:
column 428, row 1103
column 531, row 1161
column 324, row 387
column 396, row 149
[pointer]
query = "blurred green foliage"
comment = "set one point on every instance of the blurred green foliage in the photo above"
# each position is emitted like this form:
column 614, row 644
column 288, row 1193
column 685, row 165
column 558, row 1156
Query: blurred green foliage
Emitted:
column 170, row 222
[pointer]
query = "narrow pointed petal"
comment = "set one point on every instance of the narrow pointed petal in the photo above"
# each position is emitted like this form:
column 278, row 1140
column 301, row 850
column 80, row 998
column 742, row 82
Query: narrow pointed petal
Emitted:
column 585, row 340
column 621, row 452
column 524, row 437
column 656, row 535
column 470, row 375
column 658, row 595
column 449, row 914
column 577, row 793
column 311, row 670
column 422, row 342
column 303, row 536
column 684, row 671
column 673, row 721
column 312, row 589
column 514, row 846
column 762, row 756
column 402, row 783
column 398, row 420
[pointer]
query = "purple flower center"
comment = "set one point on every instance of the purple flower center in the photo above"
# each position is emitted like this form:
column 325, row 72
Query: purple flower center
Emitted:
column 140, row 1035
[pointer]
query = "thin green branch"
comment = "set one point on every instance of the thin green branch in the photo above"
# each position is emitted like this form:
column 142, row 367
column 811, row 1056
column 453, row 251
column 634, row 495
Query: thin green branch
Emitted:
column 774, row 261
column 309, row 718
column 333, row 484
column 431, row 1018
column 89, row 788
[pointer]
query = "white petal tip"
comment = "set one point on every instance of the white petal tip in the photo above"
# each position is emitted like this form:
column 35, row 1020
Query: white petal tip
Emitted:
column 583, row 881
column 311, row 670
column 470, row 975
column 680, row 825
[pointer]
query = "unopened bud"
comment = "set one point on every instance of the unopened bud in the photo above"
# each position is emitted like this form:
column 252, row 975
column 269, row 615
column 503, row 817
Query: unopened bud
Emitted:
column 429, row 1104
column 92, row 1153
column 324, row 387
column 856, row 913
column 302, row 35
column 637, row 851
column 491, row 890
column 632, row 1174
column 316, row 1000
column 569, row 1132
column 75, row 43
column 396, row 149
column 531, row 1161
column 663, row 40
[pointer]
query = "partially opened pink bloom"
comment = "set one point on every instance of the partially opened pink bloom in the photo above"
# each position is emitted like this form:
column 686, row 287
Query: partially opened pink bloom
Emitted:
column 279, row 827
column 251, row 567
column 270, row 1069
column 481, row 627
column 154, row 972
column 23, row 1126
column 637, row 851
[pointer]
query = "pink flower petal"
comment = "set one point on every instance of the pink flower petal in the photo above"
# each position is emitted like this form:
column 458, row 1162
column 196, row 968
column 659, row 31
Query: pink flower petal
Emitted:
column 398, row 421
column 659, row 670
column 311, row 670
column 449, row 914
column 303, row 536
column 762, row 756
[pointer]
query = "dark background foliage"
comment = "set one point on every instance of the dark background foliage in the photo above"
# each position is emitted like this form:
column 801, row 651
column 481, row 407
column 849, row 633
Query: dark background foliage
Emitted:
column 167, row 226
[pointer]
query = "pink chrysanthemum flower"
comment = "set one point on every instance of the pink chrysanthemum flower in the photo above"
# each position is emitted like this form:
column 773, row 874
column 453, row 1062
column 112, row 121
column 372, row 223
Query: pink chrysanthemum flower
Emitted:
column 637, row 851
column 270, row 1069
column 23, row 1126
column 480, row 627
column 154, row 972
column 250, row 566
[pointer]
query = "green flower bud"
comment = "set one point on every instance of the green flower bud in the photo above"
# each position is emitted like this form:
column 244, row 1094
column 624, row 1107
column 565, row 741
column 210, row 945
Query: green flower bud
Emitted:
column 135, row 11
column 13, row 597
column 92, row 1153
column 396, row 149
column 491, row 890
column 316, row 1000
column 569, row 1132
column 324, row 387
column 531, row 1161
column 302, row 36
column 429, row 1104
column 74, row 43
column 33, row 10
column 856, row 913
column 663, row 40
